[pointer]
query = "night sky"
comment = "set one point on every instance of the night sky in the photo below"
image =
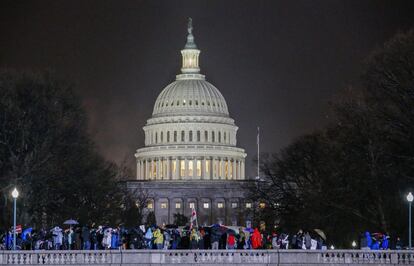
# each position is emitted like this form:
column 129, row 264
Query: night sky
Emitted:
column 277, row 63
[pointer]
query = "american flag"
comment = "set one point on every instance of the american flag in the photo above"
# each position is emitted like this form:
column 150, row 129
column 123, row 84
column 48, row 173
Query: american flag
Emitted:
column 193, row 217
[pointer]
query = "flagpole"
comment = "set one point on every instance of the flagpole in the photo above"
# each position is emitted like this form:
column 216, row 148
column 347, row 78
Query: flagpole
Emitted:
column 258, row 152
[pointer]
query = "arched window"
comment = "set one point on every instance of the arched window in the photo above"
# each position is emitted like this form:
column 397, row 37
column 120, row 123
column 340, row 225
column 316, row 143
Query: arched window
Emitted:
column 205, row 136
column 182, row 136
column 190, row 135
column 190, row 102
column 156, row 137
column 168, row 136
column 198, row 136
column 175, row 136
column 219, row 137
column 213, row 139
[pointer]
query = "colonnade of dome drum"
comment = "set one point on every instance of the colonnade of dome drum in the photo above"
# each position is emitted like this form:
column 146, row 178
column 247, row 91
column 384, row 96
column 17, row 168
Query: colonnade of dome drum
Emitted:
column 190, row 168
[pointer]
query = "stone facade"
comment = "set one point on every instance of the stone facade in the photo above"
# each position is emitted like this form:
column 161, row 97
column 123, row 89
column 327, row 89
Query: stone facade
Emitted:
column 191, row 154
column 217, row 201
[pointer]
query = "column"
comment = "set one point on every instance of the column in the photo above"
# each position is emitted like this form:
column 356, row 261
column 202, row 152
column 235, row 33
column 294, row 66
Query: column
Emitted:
column 185, row 169
column 238, row 169
column 213, row 166
column 177, row 169
column 138, row 170
column 221, row 169
column 159, row 170
column 234, row 170
column 242, row 170
column 146, row 169
column 194, row 167
column 203, row 168
column 168, row 169
column 152, row 169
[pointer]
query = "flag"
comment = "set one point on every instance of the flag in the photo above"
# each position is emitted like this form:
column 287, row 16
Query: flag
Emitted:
column 193, row 217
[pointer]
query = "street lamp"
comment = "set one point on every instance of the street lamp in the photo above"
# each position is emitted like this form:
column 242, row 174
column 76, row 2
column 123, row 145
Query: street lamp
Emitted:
column 354, row 244
column 410, row 199
column 15, row 194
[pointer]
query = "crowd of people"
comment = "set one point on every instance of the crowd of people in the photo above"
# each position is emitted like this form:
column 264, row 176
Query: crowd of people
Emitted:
column 154, row 237
column 172, row 237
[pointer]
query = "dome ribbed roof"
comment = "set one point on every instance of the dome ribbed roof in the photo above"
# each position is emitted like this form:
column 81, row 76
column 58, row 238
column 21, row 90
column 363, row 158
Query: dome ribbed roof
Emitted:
column 190, row 97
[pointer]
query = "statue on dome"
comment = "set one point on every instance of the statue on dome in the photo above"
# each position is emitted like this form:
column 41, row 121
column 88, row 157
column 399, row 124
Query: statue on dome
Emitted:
column 190, row 26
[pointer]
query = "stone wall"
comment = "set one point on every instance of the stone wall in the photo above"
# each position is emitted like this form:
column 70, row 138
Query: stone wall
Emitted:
column 207, row 257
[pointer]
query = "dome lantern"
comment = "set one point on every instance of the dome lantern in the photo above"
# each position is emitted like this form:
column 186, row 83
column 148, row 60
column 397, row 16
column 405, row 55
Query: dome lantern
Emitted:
column 190, row 53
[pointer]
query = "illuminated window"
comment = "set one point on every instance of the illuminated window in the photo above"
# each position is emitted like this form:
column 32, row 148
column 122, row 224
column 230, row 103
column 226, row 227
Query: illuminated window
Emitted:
column 220, row 205
column 182, row 168
column 262, row 205
column 206, row 205
column 178, row 205
column 163, row 205
column 184, row 102
column 248, row 205
column 150, row 205
column 198, row 168
column 191, row 205
column 234, row 205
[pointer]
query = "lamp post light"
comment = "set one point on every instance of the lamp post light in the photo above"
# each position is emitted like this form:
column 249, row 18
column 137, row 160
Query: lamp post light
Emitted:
column 410, row 199
column 354, row 244
column 15, row 194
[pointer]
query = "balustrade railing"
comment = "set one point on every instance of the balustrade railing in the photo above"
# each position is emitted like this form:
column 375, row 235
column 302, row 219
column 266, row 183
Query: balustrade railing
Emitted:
column 190, row 257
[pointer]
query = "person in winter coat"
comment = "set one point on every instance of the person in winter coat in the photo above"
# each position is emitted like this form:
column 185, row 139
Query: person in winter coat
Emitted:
column 86, row 235
column 175, row 239
column 159, row 238
column 369, row 239
column 107, row 238
column 148, row 238
column 57, row 237
column 231, row 241
column 385, row 243
column 308, row 240
column 167, row 239
column 256, row 239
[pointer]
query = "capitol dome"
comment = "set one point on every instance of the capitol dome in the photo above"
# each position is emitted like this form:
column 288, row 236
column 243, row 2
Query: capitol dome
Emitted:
column 190, row 135
column 190, row 95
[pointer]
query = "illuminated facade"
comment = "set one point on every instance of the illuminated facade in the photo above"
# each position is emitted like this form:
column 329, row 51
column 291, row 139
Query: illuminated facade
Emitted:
column 191, row 145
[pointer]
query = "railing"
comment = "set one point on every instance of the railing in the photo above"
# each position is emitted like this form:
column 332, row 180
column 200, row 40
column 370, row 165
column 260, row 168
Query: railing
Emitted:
column 191, row 257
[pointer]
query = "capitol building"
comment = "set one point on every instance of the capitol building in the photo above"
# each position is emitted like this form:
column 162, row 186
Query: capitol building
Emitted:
column 191, row 159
